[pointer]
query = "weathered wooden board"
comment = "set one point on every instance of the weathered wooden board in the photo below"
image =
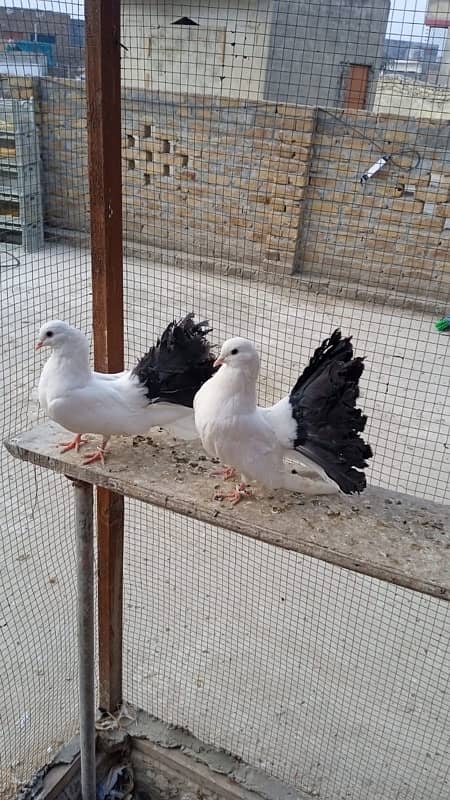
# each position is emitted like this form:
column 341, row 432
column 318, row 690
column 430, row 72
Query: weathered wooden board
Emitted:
column 382, row 534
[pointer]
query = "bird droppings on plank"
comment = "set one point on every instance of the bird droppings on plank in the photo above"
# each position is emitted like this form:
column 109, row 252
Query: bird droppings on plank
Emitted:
column 372, row 540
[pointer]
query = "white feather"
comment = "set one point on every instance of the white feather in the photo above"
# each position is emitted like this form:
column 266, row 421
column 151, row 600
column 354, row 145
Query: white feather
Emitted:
column 84, row 401
column 256, row 441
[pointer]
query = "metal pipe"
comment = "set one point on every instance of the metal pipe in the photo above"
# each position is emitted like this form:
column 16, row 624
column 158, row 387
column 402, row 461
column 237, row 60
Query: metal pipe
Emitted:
column 85, row 584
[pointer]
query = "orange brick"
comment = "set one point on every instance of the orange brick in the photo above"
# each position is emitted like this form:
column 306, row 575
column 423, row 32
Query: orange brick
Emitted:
column 259, row 197
column 175, row 159
column 443, row 210
column 408, row 206
column 294, row 137
column 299, row 179
column 438, row 195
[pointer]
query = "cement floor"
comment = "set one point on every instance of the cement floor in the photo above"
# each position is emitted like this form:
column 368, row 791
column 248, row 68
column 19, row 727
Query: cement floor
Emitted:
column 331, row 681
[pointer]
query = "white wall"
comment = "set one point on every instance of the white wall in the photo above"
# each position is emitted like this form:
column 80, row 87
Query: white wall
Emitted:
column 226, row 54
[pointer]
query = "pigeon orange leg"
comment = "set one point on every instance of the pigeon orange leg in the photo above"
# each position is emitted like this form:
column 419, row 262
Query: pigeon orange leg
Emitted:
column 74, row 443
column 97, row 455
column 224, row 472
column 241, row 490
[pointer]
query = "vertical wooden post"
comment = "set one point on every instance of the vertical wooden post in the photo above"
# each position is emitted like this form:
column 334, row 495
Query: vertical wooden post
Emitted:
column 105, row 183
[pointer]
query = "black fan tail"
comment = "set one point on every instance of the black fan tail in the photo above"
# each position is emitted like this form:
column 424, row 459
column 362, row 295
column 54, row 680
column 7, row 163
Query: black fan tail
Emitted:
column 329, row 425
column 176, row 367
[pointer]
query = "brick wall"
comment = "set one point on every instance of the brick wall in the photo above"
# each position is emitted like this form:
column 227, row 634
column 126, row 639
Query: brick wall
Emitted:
column 267, row 186
column 394, row 231
column 222, row 178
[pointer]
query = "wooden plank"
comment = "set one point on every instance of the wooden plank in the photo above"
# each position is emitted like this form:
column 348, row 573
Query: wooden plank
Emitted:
column 104, row 147
column 393, row 537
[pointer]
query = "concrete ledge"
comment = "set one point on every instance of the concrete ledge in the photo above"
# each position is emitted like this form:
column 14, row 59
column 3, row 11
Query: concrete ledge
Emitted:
column 171, row 763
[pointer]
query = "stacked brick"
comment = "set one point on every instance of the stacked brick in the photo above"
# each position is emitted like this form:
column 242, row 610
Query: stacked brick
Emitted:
column 255, row 183
column 220, row 178
column 394, row 231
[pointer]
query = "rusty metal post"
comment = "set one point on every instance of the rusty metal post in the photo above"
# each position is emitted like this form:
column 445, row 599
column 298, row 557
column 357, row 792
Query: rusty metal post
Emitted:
column 84, row 528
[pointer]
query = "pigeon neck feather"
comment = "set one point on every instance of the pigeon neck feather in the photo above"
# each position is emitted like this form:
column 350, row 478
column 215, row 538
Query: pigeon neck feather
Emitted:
column 72, row 356
column 238, row 385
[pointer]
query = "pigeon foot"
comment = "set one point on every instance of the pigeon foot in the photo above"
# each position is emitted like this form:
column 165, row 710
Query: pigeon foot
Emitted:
column 241, row 490
column 227, row 473
column 74, row 444
column 98, row 455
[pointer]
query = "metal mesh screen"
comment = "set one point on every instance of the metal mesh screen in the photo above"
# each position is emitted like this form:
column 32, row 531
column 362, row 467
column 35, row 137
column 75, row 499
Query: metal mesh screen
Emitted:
column 42, row 165
column 332, row 681
column 247, row 128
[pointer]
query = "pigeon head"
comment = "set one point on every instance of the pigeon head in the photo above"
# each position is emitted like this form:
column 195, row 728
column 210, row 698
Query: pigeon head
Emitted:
column 57, row 334
column 239, row 354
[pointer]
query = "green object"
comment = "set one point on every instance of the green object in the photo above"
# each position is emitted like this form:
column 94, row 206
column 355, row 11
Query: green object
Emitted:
column 443, row 324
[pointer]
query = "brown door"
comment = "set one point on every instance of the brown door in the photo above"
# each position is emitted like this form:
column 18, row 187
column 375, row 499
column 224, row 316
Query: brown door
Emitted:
column 356, row 86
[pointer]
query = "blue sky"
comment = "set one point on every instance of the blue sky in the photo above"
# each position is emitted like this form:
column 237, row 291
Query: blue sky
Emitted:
column 406, row 19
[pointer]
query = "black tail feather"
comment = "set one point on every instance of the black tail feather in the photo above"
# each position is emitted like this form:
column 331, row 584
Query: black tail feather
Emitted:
column 179, row 364
column 329, row 425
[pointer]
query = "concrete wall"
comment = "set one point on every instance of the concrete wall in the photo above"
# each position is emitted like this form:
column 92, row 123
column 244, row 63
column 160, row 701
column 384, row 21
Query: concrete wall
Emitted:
column 225, row 53
column 62, row 107
column 312, row 44
column 285, row 51
column 411, row 98
column 23, row 64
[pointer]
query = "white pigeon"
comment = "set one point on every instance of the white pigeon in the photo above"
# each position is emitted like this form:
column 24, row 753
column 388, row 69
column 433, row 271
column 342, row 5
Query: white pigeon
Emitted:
column 159, row 391
column 316, row 427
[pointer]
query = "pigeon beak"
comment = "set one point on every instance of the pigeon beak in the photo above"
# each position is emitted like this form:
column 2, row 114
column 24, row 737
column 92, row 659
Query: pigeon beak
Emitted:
column 219, row 362
column 39, row 344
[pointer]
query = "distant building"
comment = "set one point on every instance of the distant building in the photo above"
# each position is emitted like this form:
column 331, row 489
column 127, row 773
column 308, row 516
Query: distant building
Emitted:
column 437, row 15
column 61, row 36
column 327, row 53
column 406, row 57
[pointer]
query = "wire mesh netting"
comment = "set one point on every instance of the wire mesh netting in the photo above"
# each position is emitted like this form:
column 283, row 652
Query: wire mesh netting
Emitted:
column 333, row 682
column 286, row 170
column 42, row 165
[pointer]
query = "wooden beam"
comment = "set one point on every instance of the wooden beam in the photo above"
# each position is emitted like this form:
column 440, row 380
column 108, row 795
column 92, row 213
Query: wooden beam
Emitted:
column 394, row 537
column 105, row 183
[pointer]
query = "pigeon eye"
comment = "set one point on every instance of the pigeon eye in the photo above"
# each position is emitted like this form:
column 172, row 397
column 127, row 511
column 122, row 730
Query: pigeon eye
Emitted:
column 50, row 333
column 234, row 351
